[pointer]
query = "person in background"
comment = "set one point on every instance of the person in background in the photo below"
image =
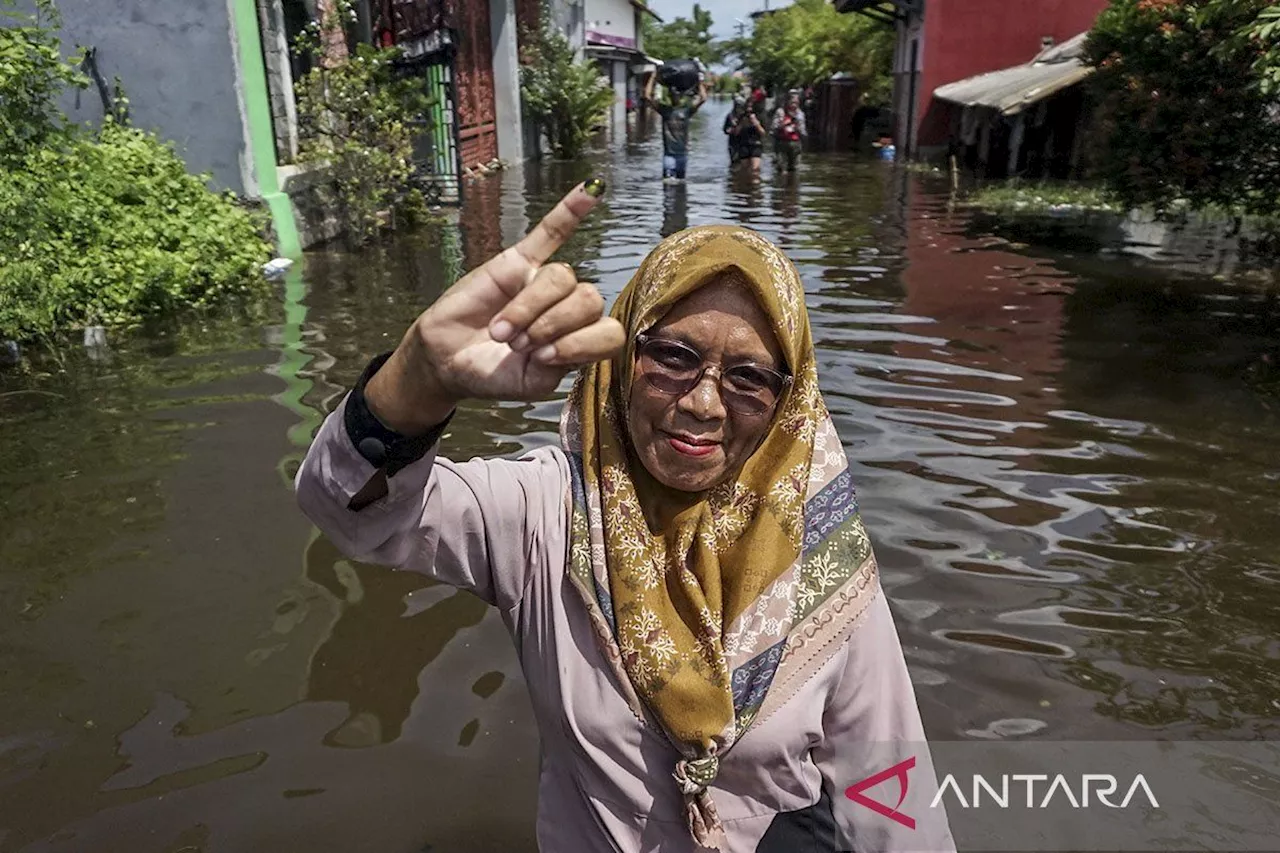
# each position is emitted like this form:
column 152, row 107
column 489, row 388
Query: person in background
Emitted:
column 732, row 128
column 675, row 126
column 789, row 132
column 746, row 133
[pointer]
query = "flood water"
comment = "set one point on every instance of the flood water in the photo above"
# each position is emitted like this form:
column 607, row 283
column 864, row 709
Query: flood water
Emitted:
column 1068, row 466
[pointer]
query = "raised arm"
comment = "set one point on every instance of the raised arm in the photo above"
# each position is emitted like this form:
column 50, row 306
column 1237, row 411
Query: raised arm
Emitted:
column 648, row 88
column 702, row 94
column 509, row 330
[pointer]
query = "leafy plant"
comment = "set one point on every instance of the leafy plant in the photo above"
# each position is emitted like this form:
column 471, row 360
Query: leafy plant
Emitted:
column 357, row 119
column 1265, row 34
column 565, row 98
column 1185, row 109
column 1016, row 197
column 106, row 228
column 111, row 229
column 807, row 42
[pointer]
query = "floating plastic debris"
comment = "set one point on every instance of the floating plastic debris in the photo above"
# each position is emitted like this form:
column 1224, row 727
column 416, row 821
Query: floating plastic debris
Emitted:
column 95, row 336
column 276, row 268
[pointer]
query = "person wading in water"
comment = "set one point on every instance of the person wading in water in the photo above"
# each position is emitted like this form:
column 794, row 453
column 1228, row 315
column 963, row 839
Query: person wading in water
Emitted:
column 675, row 126
column 789, row 133
column 746, row 134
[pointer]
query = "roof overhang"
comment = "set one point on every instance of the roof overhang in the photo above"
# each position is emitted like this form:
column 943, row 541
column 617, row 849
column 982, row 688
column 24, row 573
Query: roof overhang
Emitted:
column 883, row 11
column 1011, row 90
column 605, row 50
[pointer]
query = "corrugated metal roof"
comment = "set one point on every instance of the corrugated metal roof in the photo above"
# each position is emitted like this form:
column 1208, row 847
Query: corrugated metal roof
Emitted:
column 1012, row 90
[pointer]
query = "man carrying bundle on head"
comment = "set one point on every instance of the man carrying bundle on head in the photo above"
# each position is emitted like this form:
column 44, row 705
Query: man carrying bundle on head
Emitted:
column 687, row 92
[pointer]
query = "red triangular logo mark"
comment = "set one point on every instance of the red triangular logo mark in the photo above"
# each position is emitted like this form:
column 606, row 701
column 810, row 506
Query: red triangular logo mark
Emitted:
column 854, row 792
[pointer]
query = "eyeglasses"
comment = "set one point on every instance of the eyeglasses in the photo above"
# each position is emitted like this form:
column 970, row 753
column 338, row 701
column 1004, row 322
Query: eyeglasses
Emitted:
column 676, row 368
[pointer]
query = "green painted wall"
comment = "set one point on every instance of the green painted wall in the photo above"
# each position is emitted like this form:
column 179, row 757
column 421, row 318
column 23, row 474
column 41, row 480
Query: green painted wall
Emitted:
column 257, row 108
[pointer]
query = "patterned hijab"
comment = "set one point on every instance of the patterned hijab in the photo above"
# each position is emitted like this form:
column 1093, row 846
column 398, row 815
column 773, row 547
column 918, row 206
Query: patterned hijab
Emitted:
column 717, row 617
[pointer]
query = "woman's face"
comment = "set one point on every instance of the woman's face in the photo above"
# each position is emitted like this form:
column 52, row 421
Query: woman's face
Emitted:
column 692, row 442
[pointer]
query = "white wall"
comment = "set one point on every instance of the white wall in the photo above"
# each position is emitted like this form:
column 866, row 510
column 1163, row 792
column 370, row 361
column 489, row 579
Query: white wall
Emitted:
column 614, row 19
column 506, row 80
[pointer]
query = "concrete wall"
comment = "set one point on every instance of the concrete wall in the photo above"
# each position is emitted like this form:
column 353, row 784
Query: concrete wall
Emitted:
column 177, row 60
column 570, row 17
column 506, row 80
column 612, row 21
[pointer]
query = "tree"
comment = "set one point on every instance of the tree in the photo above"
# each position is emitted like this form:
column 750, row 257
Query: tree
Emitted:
column 566, row 98
column 809, row 41
column 682, row 38
column 1261, row 37
column 1185, row 105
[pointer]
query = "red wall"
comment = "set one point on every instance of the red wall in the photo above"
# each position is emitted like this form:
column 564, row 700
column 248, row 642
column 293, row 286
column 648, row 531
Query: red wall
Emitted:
column 967, row 37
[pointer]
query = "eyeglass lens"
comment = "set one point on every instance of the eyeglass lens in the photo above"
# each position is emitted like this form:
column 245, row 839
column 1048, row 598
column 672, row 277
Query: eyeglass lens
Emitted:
column 675, row 368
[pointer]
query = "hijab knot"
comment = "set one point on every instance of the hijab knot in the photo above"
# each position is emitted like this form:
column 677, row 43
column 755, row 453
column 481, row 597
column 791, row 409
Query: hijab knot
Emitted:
column 695, row 775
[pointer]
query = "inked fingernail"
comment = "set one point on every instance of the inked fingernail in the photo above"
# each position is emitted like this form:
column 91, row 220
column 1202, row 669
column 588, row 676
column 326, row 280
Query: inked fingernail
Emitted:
column 595, row 187
column 545, row 354
column 521, row 343
column 501, row 330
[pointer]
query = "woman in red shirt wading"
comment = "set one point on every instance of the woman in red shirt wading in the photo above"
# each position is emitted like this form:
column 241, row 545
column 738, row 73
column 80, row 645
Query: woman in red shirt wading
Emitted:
column 789, row 132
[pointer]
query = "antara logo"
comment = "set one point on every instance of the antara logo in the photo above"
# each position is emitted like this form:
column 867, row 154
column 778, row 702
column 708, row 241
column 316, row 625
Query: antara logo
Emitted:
column 1101, row 785
column 898, row 771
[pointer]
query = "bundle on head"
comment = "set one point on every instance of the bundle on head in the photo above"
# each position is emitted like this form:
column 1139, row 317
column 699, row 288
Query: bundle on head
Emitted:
column 679, row 75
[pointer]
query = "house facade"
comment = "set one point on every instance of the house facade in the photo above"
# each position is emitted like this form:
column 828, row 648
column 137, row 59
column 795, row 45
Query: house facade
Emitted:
column 945, row 41
column 612, row 37
column 216, row 77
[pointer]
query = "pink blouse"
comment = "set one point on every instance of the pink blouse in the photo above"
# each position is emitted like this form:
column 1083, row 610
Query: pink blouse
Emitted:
column 499, row 528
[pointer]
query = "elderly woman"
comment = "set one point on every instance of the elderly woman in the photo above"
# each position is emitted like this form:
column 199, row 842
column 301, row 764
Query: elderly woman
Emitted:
column 686, row 579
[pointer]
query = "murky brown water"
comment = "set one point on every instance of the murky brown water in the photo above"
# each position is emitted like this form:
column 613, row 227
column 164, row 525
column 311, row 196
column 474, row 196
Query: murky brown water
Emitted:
column 1068, row 466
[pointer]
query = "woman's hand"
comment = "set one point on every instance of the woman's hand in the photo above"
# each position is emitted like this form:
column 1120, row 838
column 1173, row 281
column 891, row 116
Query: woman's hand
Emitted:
column 508, row 330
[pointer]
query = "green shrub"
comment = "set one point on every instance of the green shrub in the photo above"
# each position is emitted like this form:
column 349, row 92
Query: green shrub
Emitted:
column 357, row 120
column 1184, row 110
column 564, row 97
column 112, row 229
column 1017, row 197
column 105, row 228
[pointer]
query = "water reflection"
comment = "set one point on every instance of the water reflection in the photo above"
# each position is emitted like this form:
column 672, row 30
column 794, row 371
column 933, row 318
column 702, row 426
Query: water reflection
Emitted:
column 675, row 209
column 373, row 626
column 1067, row 466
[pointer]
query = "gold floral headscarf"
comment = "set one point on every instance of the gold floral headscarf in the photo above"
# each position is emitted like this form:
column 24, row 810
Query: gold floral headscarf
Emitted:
column 714, row 615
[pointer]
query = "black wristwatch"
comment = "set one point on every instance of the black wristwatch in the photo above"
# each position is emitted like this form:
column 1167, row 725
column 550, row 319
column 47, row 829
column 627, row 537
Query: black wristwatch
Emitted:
column 382, row 447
